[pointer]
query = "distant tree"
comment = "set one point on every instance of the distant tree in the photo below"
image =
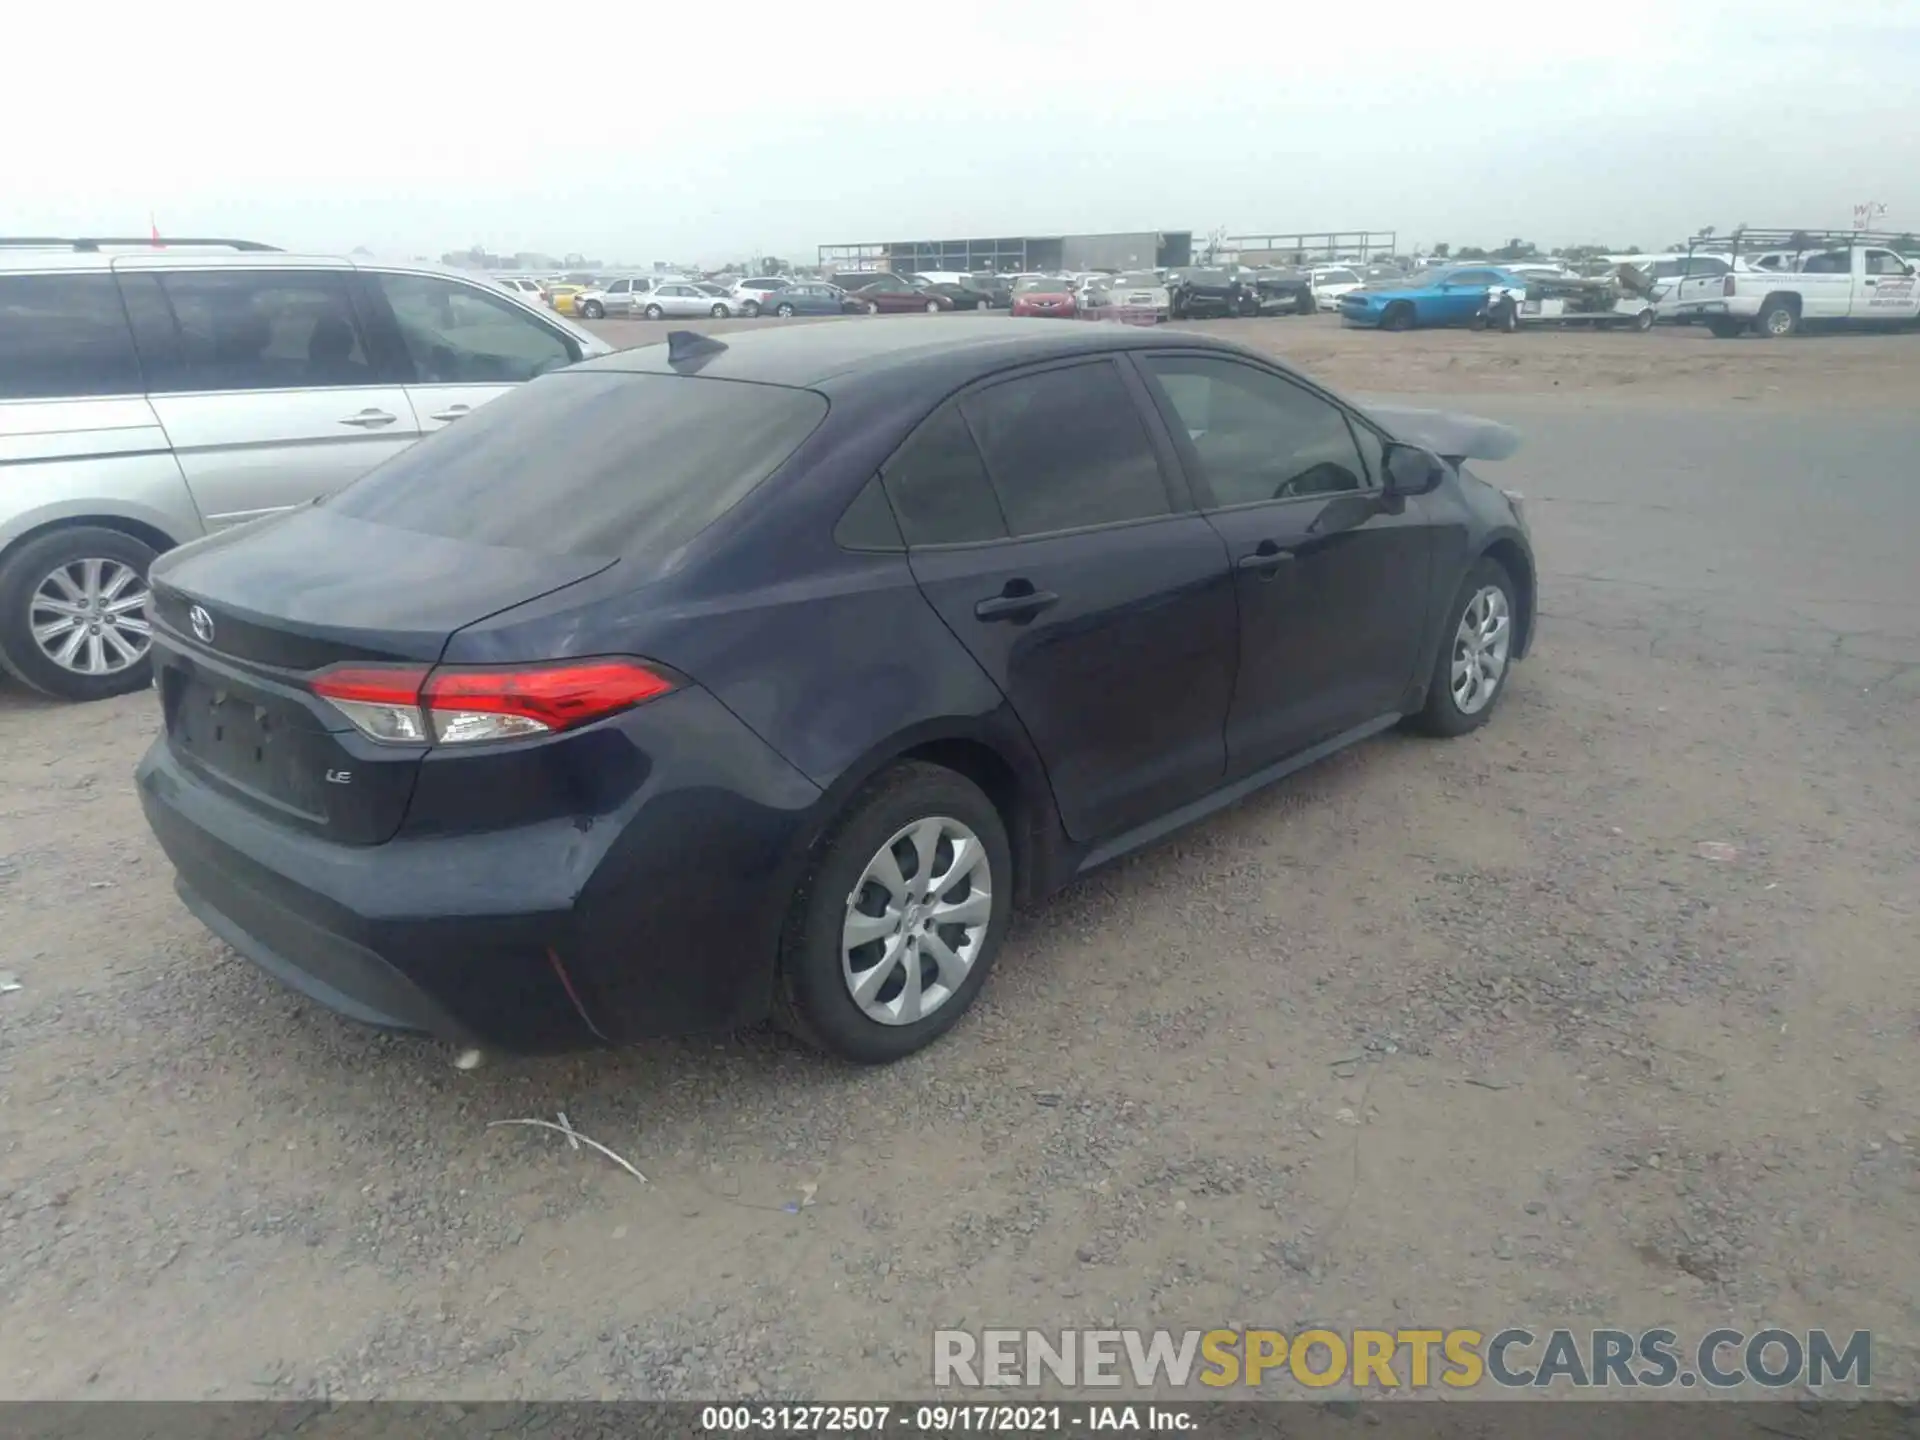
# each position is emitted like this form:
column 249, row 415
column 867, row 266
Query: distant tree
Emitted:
column 1584, row 252
column 776, row 266
column 1469, row 252
column 1515, row 249
column 1441, row 250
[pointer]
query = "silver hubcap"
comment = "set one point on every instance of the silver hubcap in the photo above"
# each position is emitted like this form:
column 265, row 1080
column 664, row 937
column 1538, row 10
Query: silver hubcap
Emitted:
column 1779, row 322
column 89, row 617
column 1480, row 649
column 916, row 921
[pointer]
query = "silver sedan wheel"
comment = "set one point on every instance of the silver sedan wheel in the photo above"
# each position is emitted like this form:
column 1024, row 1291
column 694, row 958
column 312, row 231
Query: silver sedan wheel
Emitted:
column 1480, row 649
column 916, row 921
column 89, row 617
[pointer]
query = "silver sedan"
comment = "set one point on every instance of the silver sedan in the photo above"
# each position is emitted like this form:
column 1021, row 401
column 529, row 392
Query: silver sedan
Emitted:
column 684, row 298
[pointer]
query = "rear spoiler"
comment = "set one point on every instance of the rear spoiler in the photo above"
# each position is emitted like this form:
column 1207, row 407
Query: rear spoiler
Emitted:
column 1452, row 436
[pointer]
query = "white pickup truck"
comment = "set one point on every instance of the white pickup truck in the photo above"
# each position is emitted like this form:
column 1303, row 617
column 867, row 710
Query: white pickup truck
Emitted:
column 1841, row 282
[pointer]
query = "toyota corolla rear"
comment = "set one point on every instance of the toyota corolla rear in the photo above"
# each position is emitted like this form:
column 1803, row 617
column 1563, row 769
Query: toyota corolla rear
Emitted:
column 400, row 774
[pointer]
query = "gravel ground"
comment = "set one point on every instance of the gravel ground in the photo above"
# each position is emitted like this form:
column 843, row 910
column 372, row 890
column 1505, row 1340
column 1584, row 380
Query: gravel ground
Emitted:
column 1490, row 1031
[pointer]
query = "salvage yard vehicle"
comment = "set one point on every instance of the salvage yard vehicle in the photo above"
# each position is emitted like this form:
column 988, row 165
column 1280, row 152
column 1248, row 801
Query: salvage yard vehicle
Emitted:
column 1329, row 283
column 809, row 298
column 893, row 296
column 1283, row 292
column 150, row 396
column 756, row 293
column 962, row 297
column 622, row 296
column 1199, row 293
column 1045, row 295
column 719, row 679
column 1452, row 296
column 1840, row 278
column 682, row 298
column 1138, row 295
column 1565, row 300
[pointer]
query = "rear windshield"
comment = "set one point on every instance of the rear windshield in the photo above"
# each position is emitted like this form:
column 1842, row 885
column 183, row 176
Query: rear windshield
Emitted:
column 590, row 463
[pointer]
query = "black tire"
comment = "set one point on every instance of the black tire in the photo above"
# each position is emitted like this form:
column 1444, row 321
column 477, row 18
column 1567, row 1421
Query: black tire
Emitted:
column 873, row 307
column 654, row 312
column 1307, row 304
column 22, row 574
column 1442, row 714
column 1725, row 327
column 593, row 310
column 1777, row 320
column 1399, row 316
column 811, row 1000
column 719, row 312
column 1643, row 321
column 784, row 310
column 752, row 310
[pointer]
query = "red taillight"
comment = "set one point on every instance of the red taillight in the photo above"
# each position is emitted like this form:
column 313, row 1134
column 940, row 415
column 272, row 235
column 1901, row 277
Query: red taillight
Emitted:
column 459, row 704
column 1727, row 286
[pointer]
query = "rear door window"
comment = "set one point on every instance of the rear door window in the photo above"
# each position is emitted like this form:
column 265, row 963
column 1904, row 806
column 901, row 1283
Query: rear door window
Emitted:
column 939, row 486
column 1066, row 449
column 64, row 335
column 254, row 330
column 591, row 463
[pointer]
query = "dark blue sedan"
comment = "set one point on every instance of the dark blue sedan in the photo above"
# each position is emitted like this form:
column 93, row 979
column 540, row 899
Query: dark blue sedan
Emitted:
column 764, row 675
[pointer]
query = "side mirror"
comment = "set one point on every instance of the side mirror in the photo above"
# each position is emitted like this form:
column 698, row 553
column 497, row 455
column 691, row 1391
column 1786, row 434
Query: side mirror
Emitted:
column 1411, row 470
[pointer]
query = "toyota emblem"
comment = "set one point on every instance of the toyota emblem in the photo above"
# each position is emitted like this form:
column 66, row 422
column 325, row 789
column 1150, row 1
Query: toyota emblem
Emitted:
column 202, row 624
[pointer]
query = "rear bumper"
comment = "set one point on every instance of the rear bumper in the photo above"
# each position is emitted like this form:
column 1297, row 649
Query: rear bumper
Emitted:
column 655, row 909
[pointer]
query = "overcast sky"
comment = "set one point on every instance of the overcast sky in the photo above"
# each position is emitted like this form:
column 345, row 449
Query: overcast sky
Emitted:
column 1625, row 122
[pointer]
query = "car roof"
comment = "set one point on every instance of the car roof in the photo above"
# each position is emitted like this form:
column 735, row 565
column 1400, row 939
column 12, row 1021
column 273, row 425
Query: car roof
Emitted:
column 40, row 261
column 812, row 354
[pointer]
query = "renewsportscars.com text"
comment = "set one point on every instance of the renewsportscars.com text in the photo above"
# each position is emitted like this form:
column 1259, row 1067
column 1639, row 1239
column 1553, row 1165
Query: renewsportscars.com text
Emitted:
column 1403, row 1359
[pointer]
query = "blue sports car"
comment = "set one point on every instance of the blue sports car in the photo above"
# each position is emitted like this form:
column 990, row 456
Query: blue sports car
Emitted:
column 1452, row 296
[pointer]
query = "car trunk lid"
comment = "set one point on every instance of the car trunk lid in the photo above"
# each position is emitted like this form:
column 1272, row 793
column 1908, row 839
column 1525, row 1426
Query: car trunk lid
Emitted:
column 244, row 620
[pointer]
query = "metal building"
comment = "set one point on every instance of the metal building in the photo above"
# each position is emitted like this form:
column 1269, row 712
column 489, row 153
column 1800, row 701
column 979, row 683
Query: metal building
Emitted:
column 1125, row 250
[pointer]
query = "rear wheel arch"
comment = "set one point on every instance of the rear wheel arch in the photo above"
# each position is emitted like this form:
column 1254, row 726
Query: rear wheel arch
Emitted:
column 1015, row 783
column 151, row 536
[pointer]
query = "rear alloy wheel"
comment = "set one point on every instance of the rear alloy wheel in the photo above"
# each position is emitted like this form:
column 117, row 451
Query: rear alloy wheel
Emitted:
column 1777, row 321
column 719, row 312
column 593, row 310
column 873, row 307
column 933, row 307
column 1471, row 669
column 654, row 312
column 73, row 618
column 784, row 310
column 893, row 932
column 1643, row 321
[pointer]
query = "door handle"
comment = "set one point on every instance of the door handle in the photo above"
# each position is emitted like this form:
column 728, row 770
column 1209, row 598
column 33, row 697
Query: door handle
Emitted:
column 369, row 419
column 1265, row 560
column 1017, row 605
column 452, row 412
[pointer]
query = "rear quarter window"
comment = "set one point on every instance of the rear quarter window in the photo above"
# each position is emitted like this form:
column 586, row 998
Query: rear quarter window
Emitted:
column 591, row 463
column 64, row 335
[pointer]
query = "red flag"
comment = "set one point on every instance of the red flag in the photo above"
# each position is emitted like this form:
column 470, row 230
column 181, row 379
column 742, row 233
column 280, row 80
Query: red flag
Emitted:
column 155, row 228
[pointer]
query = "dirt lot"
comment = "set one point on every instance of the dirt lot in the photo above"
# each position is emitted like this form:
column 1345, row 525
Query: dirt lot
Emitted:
column 1484, row 1032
